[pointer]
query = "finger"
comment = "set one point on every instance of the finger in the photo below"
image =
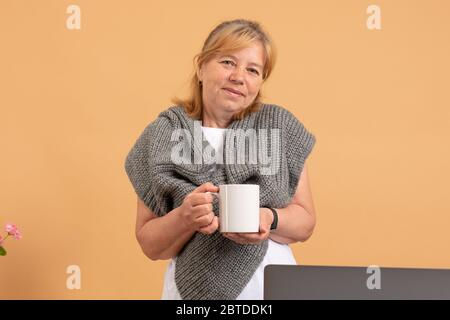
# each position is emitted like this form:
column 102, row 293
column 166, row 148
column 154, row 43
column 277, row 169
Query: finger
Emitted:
column 201, row 198
column 211, row 228
column 208, row 186
column 215, row 195
column 263, row 228
column 249, row 236
column 202, row 210
column 205, row 220
column 234, row 238
column 234, row 235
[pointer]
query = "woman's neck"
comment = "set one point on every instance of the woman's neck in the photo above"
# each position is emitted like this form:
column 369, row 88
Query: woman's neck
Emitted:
column 215, row 121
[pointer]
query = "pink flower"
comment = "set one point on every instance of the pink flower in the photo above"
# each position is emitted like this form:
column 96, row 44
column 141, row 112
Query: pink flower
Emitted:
column 10, row 228
column 17, row 235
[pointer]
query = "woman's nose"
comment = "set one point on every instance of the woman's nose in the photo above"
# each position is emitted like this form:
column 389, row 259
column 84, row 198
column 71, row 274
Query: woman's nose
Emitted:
column 237, row 75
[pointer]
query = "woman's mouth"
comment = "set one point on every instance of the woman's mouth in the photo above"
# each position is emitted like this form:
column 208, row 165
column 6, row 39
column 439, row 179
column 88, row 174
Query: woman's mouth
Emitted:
column 233, row 93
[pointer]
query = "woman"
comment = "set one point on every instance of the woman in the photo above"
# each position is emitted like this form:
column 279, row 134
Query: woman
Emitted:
column 176, row 216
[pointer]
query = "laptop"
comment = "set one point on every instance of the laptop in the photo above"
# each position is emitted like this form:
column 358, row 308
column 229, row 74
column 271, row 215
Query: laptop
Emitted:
column 294, row 282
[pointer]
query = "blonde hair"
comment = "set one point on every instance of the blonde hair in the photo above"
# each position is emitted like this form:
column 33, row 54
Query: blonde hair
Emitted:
column 227, row 37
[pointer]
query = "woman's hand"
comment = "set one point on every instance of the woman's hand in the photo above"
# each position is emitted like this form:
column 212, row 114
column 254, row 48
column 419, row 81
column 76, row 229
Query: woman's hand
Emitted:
column 197, row 210
column 265, row 221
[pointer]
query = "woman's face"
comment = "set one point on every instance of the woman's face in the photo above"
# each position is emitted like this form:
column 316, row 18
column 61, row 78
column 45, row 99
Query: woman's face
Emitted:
column 232, row 81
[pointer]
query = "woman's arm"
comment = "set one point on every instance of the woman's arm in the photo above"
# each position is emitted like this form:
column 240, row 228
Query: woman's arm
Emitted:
column 163, row 237
column 296, row 222
column 160, row 238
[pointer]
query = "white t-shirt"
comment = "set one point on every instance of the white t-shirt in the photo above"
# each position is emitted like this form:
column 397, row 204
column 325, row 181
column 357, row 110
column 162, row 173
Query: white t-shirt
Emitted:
column 277, row 253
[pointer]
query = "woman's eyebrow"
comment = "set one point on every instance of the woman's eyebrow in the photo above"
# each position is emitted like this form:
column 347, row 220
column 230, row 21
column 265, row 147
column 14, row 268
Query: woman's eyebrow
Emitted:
column 235, row 58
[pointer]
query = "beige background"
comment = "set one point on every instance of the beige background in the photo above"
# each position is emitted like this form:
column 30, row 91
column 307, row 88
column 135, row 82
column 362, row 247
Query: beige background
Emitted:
column 74, row 101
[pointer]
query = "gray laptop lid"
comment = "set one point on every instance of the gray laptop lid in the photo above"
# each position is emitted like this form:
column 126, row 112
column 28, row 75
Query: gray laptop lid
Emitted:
column 292, row 282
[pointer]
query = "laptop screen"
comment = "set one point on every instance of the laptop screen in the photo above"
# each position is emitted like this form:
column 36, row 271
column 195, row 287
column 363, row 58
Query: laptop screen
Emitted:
column 291, row 282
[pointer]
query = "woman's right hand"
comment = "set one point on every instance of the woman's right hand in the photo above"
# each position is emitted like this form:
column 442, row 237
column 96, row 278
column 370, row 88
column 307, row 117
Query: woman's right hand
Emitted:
column 197, row 209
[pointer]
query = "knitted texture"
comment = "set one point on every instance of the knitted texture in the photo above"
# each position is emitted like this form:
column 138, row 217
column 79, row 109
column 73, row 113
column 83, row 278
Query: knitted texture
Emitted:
column 212, row 266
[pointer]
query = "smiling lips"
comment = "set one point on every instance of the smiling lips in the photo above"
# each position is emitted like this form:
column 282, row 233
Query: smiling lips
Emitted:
column 236, row 92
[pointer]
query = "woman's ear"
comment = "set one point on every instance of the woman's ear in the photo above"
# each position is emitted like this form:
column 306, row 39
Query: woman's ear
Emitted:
column 199, row 73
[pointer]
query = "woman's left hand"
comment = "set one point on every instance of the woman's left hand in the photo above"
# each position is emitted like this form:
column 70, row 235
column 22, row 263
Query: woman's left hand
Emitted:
column 265, row 221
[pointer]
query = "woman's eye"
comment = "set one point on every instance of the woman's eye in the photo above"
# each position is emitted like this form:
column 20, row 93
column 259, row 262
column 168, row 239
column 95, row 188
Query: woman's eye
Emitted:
column 228, row 62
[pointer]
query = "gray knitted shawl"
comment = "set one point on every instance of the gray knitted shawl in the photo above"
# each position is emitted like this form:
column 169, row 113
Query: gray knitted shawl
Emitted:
column 212, row 266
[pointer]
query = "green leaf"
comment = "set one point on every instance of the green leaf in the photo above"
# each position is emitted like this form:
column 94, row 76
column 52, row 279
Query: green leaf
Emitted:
column 2, row 251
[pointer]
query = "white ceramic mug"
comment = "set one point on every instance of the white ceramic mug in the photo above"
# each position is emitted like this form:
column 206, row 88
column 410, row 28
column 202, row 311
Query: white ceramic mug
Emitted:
column 238, row 207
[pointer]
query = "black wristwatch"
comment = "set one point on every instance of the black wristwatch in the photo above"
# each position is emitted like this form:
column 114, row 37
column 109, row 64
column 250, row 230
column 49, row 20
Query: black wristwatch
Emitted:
column 275, row 218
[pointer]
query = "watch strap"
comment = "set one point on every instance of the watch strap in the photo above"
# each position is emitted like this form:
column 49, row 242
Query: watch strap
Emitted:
column 275, row 218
